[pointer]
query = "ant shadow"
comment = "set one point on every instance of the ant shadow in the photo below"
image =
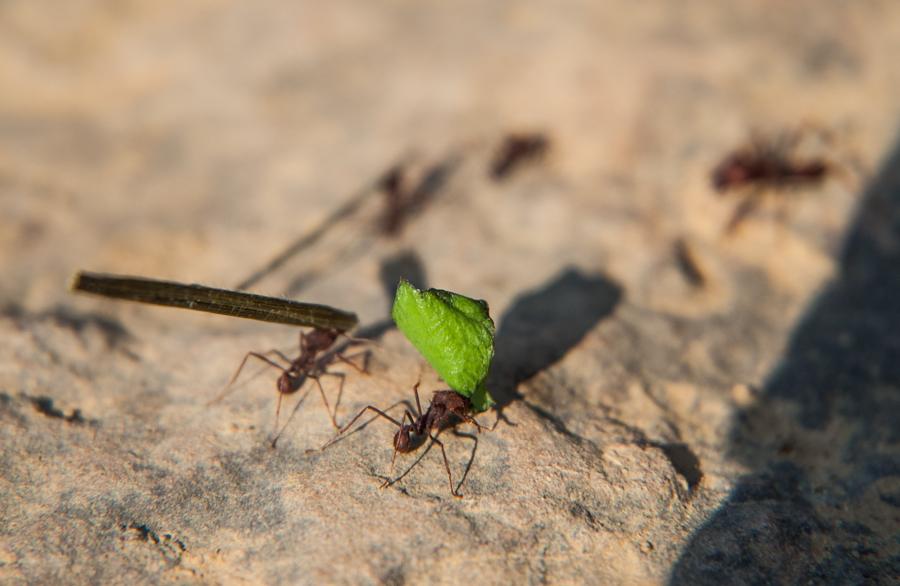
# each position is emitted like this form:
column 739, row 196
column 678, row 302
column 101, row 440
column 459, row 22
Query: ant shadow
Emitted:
column 359, row 233
column 817, row 510
column 394, row 217
column 541, row 326
column 401, row 205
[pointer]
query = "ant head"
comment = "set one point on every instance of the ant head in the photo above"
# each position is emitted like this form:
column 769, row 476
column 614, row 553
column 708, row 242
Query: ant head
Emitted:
column 406, row 439
column 289, row 382
column 402, row 441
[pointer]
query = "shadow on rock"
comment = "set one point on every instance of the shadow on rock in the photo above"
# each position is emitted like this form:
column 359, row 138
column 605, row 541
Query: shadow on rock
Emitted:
column 541, row 326
column 115, row 335
column 407, row 265
column 822, row 504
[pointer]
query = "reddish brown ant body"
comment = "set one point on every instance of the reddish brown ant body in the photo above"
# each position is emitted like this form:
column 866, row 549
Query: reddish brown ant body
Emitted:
column 765, row 165
column 447, row 410
column 312, row 363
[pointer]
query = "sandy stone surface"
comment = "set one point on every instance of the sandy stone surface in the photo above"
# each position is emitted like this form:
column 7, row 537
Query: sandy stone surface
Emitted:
column 731, row 417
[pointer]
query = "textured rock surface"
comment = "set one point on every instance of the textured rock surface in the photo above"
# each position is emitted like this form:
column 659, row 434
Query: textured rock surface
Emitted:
column 652, row 429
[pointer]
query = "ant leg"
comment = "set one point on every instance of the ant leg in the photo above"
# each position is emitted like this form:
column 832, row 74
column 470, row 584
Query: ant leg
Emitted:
column 741, row 212
column 325, row 399
column 355, row 340
column 237, row 373
column 471, row 458
column 473, row 421
column 346, row 360
column 418, row 403
column 288, row 422
column 440, row 444
column 277, row 414
column 280, row 354
column 340, row 394
column 341, row 431
column 421, row 456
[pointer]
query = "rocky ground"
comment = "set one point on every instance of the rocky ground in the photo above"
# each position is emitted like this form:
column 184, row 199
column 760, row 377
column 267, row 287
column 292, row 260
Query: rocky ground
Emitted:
column 676, row 403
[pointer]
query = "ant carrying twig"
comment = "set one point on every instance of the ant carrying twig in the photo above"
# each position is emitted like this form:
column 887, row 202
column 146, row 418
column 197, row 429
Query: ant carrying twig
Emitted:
column 765, row 165
column 312, row 363
column 447, row 410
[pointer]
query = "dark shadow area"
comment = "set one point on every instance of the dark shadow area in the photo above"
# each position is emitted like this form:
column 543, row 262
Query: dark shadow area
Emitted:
column 310, row 238
column 683, row 460
column 399, row 206
column 115, row 335
column 432, row 183
column 45, row 406
column 541, row 326
column 407, row 265
column 822, row 505
column 337, row 255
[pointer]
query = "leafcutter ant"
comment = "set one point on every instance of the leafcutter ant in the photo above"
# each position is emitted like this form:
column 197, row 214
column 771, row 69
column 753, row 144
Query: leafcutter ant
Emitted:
column 312, row 363
column 765, row 165
column 515, row 150
column 447, row 410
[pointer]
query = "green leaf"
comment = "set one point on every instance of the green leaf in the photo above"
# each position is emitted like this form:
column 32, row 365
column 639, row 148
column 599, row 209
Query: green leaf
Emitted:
column 481, row 399
column 454, row 333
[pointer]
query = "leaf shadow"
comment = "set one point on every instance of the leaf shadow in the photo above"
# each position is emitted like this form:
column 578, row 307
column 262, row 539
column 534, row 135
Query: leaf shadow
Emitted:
column 542, row 325
column 405, row 264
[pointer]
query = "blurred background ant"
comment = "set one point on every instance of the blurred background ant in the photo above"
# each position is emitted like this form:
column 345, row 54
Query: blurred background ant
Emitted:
column 768, row 166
